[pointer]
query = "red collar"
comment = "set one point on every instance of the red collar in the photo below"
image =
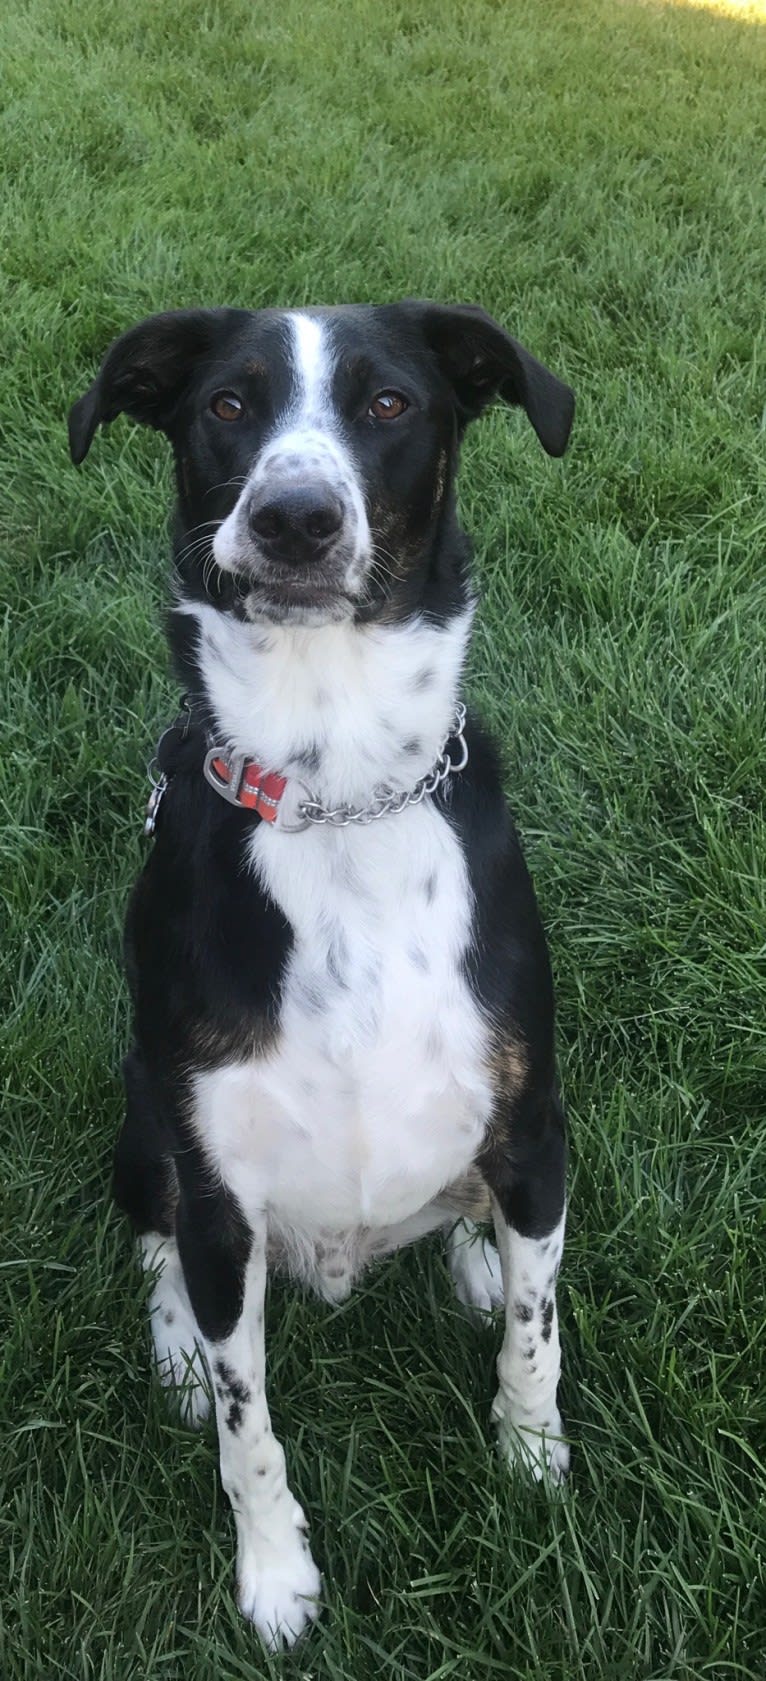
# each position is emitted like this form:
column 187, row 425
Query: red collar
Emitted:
column 245, row 783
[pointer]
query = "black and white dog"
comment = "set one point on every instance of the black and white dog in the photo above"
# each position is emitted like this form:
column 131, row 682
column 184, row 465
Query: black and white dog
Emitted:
column 343, row 1005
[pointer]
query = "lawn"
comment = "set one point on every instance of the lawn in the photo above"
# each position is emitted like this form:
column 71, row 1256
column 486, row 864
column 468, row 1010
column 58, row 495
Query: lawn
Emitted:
column 591, row 171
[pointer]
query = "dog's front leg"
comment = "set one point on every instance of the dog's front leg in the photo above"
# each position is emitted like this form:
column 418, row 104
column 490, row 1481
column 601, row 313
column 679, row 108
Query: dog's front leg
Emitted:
column 525, row 1172
column 225, row 1269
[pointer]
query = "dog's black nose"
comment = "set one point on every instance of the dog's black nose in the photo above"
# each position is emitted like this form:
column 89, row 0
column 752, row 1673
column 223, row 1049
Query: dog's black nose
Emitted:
column 295, row 524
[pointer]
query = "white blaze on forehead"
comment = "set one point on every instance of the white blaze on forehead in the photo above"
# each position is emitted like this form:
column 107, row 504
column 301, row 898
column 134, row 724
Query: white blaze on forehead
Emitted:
column 313, row 362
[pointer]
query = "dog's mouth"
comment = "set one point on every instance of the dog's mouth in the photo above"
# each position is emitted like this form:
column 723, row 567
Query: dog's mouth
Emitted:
column 309, row 600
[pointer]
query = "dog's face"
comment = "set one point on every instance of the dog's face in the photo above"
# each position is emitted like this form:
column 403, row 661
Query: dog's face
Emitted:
column 316, row 450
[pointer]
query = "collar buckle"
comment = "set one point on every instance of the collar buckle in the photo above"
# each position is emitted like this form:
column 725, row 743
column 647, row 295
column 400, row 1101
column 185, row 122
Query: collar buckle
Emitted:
column 225, row 772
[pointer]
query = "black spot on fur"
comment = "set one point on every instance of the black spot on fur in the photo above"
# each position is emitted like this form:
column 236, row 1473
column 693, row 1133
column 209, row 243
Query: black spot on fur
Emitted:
column 529, row 1353
column 547, row 1320
column 232, row 1389
column 169, row 1317
column 523, row 1312
column 413, row 746
column 423, row 679
column 429, row 888
column 309, row 759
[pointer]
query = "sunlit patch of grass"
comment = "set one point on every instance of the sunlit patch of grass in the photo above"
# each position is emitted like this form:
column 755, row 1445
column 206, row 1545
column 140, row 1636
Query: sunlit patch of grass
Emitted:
column 752, row 11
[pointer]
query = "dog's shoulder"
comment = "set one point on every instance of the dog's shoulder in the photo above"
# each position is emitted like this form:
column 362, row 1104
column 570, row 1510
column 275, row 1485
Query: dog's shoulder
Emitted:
column 204, row 943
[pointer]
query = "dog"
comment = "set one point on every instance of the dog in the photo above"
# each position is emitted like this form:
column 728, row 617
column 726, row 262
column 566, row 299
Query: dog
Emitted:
column 343, row 1010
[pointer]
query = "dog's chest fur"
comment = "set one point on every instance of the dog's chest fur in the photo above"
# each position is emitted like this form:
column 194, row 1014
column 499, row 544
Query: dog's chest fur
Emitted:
column 375, row 1095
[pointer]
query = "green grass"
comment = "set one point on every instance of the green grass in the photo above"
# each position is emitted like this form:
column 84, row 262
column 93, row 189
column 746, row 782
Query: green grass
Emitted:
column 592, row 172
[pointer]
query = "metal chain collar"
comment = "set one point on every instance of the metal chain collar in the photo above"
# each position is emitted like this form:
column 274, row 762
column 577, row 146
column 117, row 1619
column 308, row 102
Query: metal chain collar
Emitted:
column 387, row 801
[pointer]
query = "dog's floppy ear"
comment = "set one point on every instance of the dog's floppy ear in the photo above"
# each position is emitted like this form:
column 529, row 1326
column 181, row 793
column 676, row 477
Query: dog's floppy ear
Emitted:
column 482, row 362
column 142, row 374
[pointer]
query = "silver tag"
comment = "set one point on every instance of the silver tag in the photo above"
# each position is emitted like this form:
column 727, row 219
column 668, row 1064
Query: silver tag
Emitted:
column 153, row 805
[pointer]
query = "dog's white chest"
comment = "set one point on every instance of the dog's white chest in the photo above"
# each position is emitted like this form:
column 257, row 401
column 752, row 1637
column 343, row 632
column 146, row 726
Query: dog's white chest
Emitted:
column 375, row 1096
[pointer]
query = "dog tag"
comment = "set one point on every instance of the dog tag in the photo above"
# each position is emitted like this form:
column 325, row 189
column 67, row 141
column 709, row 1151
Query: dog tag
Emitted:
column 153, row 805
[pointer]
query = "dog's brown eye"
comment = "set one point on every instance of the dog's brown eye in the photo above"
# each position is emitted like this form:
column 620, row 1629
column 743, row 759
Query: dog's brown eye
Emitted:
column 388, row 405
column 226, row 406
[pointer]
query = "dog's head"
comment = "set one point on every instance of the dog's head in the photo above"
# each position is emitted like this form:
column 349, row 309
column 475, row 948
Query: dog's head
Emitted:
column 315, row 450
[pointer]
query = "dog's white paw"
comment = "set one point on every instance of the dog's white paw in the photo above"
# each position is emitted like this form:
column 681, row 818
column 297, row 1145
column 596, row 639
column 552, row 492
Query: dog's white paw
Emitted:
column 280, row 1594
column 476, row 1272
column 537, row 1451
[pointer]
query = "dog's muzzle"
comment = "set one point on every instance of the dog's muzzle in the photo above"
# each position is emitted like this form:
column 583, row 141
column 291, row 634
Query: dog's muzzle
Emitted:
column 300, row 524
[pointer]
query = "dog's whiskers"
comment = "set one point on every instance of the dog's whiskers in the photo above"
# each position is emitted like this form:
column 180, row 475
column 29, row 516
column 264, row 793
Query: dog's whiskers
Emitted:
column 209, row 568
column 379, row 572
column 197, row 546
column 238, row 479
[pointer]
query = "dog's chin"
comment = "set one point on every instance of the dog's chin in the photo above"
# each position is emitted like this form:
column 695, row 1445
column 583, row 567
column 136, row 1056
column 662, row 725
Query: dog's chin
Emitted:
column 294, row 603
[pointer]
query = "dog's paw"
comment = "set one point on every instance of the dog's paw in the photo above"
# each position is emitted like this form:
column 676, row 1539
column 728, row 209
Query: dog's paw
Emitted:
column 539, row 1452
column 476, row 1272
column 280, row 1594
